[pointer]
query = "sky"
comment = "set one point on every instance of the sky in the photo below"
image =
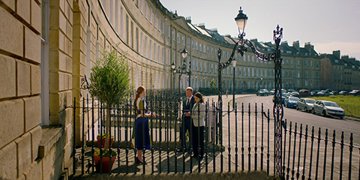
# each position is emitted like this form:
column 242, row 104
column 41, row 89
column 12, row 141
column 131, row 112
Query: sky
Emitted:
column 327, row 24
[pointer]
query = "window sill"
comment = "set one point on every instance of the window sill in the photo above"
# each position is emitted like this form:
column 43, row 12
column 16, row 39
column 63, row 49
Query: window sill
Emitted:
column 50, row 136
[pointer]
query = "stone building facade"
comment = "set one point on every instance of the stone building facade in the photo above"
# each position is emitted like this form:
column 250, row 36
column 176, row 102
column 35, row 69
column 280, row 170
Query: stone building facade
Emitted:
column 339, row 72
column 48, row 47
column 20, row 89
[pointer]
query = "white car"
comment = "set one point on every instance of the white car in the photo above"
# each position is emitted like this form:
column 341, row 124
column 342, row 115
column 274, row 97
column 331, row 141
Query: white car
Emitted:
column 328, row 108
column 305, row 104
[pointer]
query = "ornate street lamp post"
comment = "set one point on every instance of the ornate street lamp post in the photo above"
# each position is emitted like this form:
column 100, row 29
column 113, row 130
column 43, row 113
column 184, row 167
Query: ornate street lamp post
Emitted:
column 182, row 69
column 234, row 66
column 276, row 57
column 184, row 54
column 244, row 45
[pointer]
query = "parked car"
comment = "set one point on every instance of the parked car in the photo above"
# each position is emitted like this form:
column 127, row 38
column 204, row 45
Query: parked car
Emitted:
column 282, row 99
column 323, row 93
column 286, row 94
column 304, row 93
column 291, row 102
column 343, row 93
column 305, row 104
column 294, row 93
column 291, row 90
column 334, row 93
column 263, row 92
column 272, row 92
column 314, row 92
column 328, row 108
column 354, row 92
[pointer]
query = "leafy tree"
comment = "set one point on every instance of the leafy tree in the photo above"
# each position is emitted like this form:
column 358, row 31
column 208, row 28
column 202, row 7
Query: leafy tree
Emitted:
column 110, row 83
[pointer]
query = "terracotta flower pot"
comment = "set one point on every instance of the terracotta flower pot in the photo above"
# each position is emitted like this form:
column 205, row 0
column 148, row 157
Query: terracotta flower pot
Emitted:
column 105, row 163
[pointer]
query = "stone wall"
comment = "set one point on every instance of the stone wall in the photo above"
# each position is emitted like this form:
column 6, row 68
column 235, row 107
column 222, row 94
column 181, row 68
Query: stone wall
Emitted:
column 20, row 79
column 29, row 150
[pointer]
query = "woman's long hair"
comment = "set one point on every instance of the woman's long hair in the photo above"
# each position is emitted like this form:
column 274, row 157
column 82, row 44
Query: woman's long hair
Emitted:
column 139, row 90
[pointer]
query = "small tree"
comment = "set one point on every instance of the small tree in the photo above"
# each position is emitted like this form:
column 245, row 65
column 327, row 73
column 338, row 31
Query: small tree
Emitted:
column 213, row 85
column 110, row 83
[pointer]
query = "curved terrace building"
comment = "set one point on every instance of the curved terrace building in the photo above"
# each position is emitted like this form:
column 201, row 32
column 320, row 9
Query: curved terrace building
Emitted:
column 48, row 47
column 152, row 38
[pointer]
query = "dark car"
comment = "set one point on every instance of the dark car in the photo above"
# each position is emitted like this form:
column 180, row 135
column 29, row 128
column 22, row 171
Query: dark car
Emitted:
column 304, row 93
column 334, row 93
column 263, row 92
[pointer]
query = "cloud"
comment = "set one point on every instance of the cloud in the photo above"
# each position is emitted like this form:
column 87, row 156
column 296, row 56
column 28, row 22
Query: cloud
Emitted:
column 346, row 48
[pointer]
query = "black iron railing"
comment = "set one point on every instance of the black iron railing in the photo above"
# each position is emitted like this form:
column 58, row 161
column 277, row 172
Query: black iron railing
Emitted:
column 247, row 143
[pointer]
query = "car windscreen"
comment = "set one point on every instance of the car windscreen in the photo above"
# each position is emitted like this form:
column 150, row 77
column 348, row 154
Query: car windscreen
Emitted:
column 310, row 101
column 331, row 104
column 293, row 99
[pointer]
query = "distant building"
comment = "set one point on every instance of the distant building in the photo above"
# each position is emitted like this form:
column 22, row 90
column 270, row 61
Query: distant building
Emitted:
column 339, row 72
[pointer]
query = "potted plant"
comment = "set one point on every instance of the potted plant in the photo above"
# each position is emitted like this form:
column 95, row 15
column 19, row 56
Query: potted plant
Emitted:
column 104, row 159
column 110, row 85
column 101, row 140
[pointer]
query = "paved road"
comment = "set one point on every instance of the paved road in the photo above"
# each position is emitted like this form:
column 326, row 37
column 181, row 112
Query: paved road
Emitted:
column 348, row 126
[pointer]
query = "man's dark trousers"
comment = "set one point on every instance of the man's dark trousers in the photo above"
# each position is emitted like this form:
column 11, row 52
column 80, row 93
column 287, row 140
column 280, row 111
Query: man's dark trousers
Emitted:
column 186, row 125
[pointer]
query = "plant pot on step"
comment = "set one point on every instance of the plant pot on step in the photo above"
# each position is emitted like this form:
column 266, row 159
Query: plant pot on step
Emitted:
column 104, row 162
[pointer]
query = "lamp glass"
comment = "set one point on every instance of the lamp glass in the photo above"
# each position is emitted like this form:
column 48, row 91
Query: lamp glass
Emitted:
column 184, row 53
column 241, row 25
column 233, row 62
column 241, row 19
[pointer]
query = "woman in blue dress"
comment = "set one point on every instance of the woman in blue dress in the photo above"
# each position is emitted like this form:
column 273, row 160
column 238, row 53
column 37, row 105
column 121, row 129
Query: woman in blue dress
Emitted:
column 142, row 135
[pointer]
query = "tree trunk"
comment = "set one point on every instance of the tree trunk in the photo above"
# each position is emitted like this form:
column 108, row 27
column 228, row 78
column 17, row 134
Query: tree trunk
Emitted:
column 107, row 128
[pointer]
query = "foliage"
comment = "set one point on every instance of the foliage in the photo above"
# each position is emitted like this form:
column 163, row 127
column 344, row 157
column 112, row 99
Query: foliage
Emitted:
column 103, row 136
column 110, row 83
column 104, row 152
column 350, row 104
column 110, row 78
column 213, row 83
